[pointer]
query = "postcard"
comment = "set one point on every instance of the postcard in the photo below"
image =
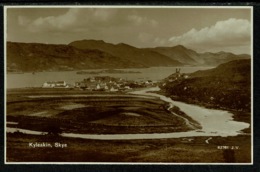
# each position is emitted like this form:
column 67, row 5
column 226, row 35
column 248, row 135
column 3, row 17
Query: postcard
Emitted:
column 128, row 85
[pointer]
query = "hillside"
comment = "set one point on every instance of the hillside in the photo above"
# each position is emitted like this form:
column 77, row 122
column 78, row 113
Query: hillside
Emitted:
column 213, row 59
column 127, row 52
column 191, row 57
column 93, row 54
column 227, row 86
column 27, row 57
column 237, row 70
column 180, row 53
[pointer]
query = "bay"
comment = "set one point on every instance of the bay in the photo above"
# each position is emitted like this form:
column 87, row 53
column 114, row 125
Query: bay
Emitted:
column 37, row 79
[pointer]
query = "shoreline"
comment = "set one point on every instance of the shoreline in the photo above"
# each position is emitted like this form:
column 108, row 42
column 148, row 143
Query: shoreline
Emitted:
column 206, row 105
column 240, row 116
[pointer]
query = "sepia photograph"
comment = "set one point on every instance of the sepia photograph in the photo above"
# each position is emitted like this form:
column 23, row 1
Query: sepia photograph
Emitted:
column 128, row 84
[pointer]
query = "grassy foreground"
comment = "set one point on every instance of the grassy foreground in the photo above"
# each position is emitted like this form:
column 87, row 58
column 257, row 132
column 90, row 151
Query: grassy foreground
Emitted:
column 179, row 150
column 111, row 115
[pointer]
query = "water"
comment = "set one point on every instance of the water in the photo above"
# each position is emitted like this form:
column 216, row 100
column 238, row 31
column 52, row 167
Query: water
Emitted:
column 37, row 79
column 83, row 95
column 213, row 123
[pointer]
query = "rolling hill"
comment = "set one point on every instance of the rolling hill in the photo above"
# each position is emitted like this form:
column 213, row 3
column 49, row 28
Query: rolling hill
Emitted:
column 97, row 54
column 226, row 86
column 27, row 57
column 127, row 52
column 42, row 57
column 180, row 53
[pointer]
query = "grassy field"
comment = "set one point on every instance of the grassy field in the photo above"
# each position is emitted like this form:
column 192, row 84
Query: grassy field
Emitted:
column 159, row 150
column 115, row 113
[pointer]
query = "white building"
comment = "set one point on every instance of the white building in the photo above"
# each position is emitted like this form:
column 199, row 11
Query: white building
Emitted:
column 55, row 84
column 49, row 84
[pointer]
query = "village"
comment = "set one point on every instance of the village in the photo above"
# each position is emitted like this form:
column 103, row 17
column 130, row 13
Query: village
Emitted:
column 101, row 83
column 111, row 84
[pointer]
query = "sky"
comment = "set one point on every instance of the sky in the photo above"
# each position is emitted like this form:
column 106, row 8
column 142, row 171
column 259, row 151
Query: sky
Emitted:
column 200, row 29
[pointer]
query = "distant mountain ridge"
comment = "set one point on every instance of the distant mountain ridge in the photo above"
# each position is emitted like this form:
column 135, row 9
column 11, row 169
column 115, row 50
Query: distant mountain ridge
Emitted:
column 42, row 57
column 27, row 57
column 97, row 54
column 178, row 52
column 191, row 57
column 142, row 56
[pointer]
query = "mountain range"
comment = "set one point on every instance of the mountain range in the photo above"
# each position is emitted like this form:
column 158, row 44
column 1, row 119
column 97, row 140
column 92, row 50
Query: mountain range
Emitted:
column 97, row 54
column 191, row 57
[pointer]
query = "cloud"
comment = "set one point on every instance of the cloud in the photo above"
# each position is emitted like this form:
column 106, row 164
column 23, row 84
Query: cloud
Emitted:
column 54, row 23
column 138, row 20
column 232, row 32
column 74, row 19
column 145, row 37
column 160, row 41
column 104, row 14
column 23, row 21
column 81, row 19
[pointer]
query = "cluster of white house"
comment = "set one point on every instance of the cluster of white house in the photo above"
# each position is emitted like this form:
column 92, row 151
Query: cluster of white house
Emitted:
column 100, row 83
column 55, row 84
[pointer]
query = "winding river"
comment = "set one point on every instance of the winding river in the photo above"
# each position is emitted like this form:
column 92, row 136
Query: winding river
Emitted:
column 213, row 123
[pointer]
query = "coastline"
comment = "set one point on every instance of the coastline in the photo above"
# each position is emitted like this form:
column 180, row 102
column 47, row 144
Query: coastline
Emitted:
column 241, row 116
column 203, row 104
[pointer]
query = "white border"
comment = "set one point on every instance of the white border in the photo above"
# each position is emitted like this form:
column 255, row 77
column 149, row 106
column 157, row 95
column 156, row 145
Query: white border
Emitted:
column 111, row 6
